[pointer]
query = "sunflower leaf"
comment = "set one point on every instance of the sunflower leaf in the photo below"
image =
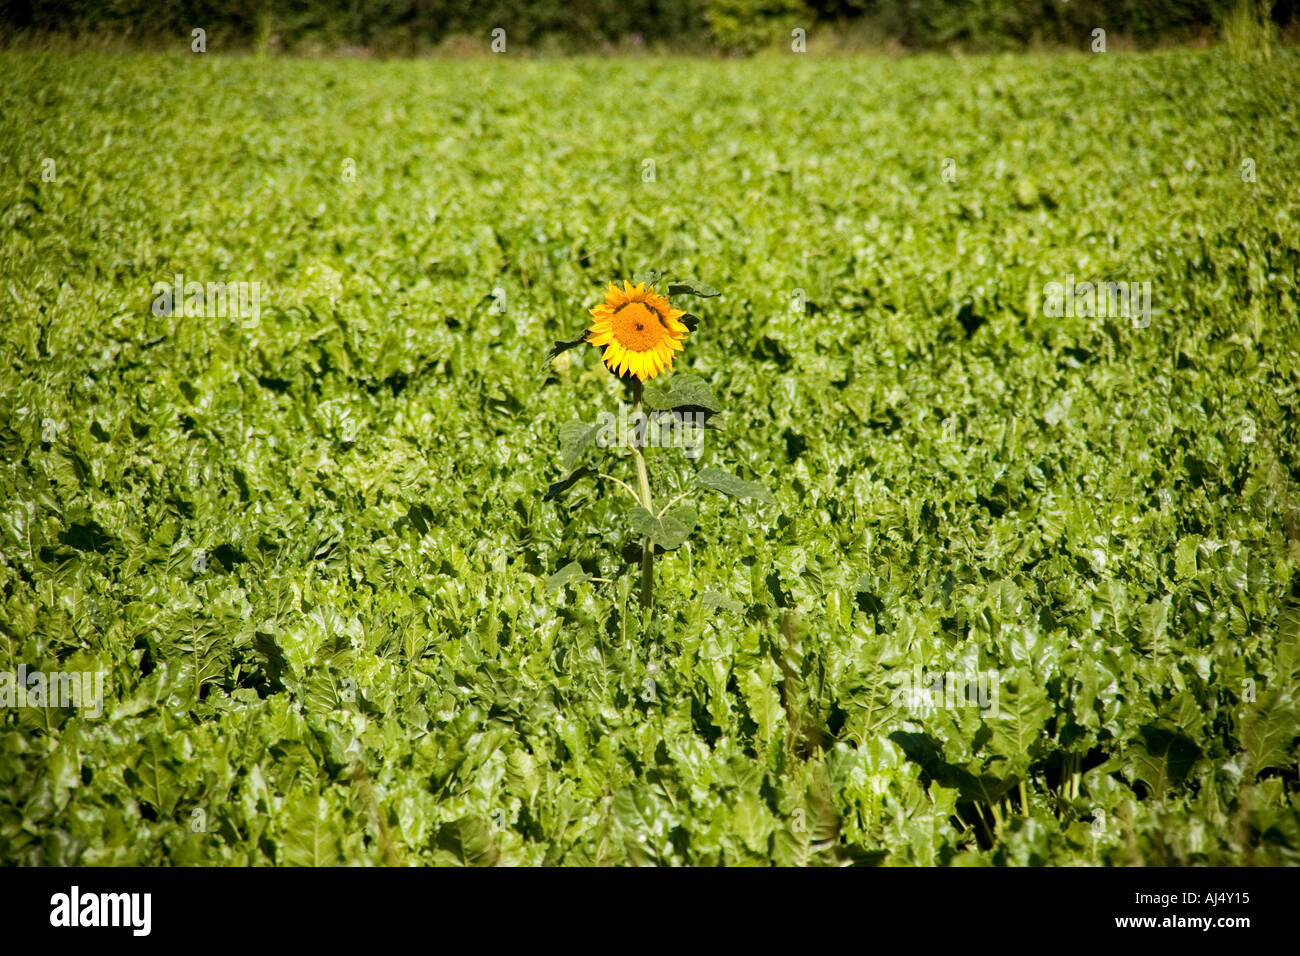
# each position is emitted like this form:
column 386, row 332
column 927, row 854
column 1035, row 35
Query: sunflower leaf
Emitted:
column 575, row 436
column 724, row 481
column 564, row 484
column 650, row 277
column 643, row 522
column 678, row 522
column 561, row 347
column 681, row 391
column 692, row 287
column 571, row 573
column 669, row 531
column 692, row 322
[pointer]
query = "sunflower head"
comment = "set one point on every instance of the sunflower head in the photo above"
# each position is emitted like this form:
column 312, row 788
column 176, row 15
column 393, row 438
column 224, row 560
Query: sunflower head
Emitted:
column 639, row 330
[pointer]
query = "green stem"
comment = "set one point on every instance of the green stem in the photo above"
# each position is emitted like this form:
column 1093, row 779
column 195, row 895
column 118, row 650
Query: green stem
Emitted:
column 643, row 483
column 647, row 573
column 1024, row 800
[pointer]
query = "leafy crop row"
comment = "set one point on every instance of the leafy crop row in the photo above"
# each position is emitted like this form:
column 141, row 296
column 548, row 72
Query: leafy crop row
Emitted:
column 310, row 551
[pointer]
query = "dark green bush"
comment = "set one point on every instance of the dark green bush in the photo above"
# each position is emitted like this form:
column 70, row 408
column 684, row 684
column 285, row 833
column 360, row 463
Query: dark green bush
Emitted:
column 586, row 24
column 746, row 25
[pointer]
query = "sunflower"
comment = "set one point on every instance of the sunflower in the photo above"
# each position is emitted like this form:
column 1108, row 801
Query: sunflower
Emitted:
column 639, row 330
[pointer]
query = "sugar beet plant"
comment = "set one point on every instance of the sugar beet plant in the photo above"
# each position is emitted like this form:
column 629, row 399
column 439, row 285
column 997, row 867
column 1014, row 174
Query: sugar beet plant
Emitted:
column 1028, row 589
column 640, row 331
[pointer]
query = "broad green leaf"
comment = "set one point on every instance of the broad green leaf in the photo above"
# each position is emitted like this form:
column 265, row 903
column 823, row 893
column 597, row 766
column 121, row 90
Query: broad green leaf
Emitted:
column 575, row 436
column 668, row 531
column 683, row 390
column 1023, row 712
column 1161, row 757
column 764, row 702
column 310, row 836
column 677, row 523
column 753, row 822
column 470, row 841
column 714, row 601
column 155, row 770
column 1185, row 557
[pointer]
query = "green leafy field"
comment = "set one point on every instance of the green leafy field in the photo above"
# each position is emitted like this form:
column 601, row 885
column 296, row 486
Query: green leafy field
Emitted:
column 309, row 548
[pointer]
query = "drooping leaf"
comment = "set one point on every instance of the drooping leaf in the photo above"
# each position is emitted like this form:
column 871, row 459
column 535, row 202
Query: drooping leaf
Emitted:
column 571, row 573
column 563, row 346
column 692, row 287
column 564, row 484
column 719, row 479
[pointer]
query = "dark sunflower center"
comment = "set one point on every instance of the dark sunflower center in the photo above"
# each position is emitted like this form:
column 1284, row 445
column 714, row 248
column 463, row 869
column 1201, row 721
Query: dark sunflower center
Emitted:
column 638, row 327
